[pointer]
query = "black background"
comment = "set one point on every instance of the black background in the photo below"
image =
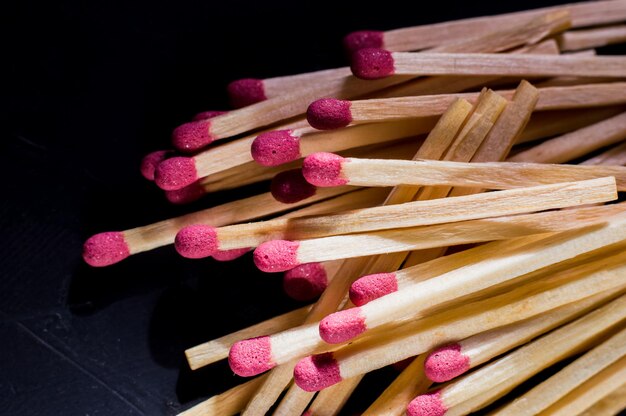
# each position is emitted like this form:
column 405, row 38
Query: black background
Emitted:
column 89, row 88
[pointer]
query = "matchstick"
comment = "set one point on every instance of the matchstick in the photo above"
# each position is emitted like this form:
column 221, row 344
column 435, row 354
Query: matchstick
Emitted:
column 111, row 247
column 575, row 40
column 294, row 402
column 615, row 156
column 201, row 240
column 452, row 360
column 329, row 170
column 485, row 385
column 306, row 282
column 577, row 143
column 279, row 255
column 612, row 404
column 556, row 387
column 331, row 401
column 418, row 336
column 370, row 64
column 387, row 109
column 345, row 325
column 426, row 36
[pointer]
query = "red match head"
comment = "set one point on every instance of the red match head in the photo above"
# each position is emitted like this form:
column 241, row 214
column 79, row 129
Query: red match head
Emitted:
column 324, row 169
column 275, row 148
column 228, row 255
column 305, row 282
column 247, row 91
column 290, row 187
column 192, row 136
column 196, row 241
column 105, row 249
column 446, row 363
column 373, row 286
column 205, row 115
column 186, row 195
column 250, row 357
column 363, row 39
column 175, row 173
column 151, row 161
column 276, row 256
column 329, row 114
column 372, row 64
column 342, row 326
column 429, row 404
column 317, row 372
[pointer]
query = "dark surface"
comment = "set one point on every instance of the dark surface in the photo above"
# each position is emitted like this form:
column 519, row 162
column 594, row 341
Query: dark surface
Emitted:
column 90, row 87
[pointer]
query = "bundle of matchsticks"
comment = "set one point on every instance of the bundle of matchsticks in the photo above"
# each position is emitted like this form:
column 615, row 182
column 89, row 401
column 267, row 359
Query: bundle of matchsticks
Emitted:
column 450, row 200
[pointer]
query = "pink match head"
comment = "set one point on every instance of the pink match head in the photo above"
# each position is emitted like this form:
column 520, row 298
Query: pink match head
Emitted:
column 151, row 161
column 196, row 241
column 276, row 147
column 305, row 282
column 290, row 187
column 342, row 326
column 308, row 413
column 105, row 249
column 192, row 136
column 372, row 63
column 250, row 357
column 324, row 169
column 228, row 255
column 276, row 256
column 329, row 113
column 363, row 39
column 317, row 372
column 373, row 286
column 429, row 404
column 175, row 173
column 186, row 195
column 205, row 115
column 247, row 91
column 446, row 363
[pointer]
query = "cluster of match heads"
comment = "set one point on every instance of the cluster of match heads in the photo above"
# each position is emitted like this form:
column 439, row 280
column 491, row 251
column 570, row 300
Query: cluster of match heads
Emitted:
column 450, row 199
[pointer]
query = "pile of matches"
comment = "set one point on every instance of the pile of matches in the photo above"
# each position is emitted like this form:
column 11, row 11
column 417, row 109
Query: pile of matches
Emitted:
column 453, row 134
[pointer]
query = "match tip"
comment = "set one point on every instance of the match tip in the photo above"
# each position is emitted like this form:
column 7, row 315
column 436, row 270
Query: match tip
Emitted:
column 342, row 326
column 446, row 363
column 324, row 169
column 429, row 404
column 329, row 113
column 228, row 255
column 186, row 195
column 372, row 63
column 362, row 39
column 290, row 187
column 205, row 115
column 317, row 372
column 250, row 357
column 373, row 286
column 192, row 136
column 276, row 147
column 151, row 161
column 247, row 91
column 196, row 241
column 305, row 282
column 105, row 249
column 175, row 173
column 276, row 256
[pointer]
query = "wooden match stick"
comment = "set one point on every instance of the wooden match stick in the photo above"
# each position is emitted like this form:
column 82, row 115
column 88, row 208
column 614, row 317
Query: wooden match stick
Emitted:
column 577, row 143
column 483, row 386
column 387, row 109
column 202, row 241
column 426, row 36
column 575, row 40
column 615, row 156
column 379, row 63
column 294, row 402
column 556, row 387
column 418, row 336
column 337, row 328
column 452, row 360
column 610, row 405
column 331, row 401
column 419, row 238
